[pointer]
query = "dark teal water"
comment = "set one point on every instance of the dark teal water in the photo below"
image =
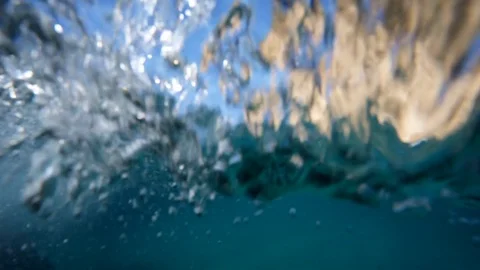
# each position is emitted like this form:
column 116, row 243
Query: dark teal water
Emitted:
column 323, row 234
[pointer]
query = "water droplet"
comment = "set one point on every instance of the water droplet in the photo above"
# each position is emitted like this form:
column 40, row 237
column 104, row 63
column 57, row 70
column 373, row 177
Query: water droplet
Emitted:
column 58, row 28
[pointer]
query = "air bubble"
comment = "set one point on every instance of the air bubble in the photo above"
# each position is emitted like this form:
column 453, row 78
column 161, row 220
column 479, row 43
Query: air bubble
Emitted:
column 172, row 210
column 476, row 240
column 258, row 212
column 237, row 220
column 198, row 210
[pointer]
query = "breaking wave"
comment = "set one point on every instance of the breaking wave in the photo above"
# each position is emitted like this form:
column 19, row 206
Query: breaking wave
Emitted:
column 370, row 101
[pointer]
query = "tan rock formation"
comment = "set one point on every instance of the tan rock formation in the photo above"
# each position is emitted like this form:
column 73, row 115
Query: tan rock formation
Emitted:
column 404, row 89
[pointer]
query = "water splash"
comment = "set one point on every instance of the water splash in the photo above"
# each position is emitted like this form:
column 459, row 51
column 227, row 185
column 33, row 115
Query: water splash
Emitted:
column 322, row 100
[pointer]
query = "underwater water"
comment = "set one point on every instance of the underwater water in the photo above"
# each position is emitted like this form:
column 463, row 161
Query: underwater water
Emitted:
column 321, row 234
column 203, row 134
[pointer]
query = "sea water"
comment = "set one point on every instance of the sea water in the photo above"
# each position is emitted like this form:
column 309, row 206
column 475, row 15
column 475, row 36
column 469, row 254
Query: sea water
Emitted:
column 209, row 134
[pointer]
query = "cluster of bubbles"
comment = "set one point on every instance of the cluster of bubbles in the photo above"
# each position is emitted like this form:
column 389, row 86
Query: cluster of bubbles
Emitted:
column 79, row 101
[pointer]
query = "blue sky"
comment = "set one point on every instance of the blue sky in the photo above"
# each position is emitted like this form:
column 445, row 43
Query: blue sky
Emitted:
column 260, row 25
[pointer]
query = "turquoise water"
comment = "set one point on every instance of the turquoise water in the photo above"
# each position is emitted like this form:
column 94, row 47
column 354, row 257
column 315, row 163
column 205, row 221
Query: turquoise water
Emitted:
column 322, row 234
